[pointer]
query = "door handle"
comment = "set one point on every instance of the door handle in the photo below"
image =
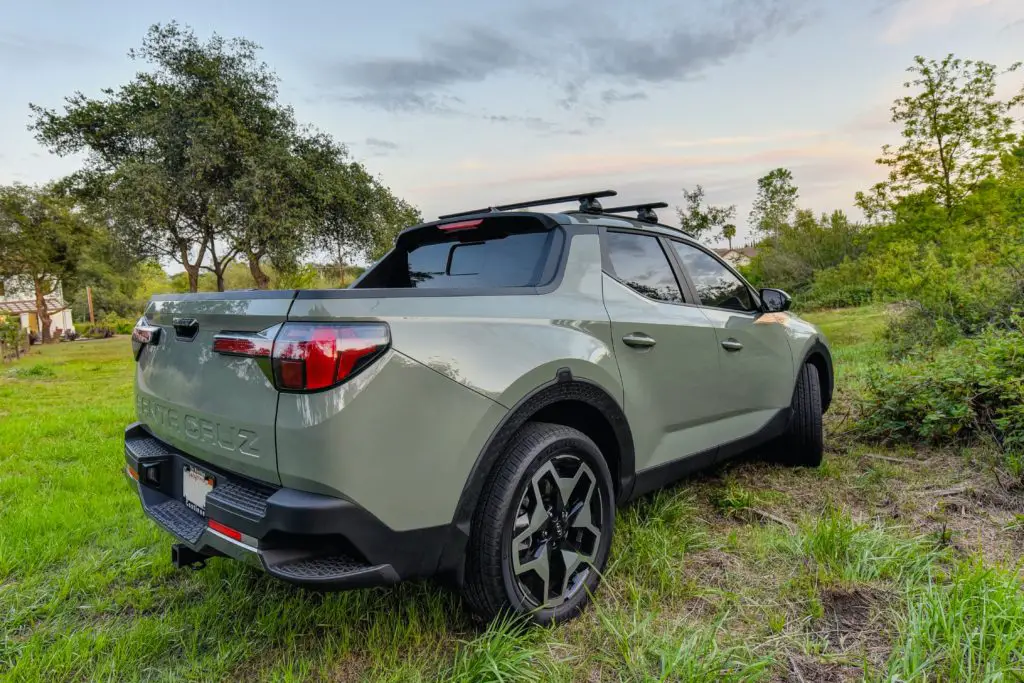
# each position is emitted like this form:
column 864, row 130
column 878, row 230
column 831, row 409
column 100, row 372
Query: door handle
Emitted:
column 639, row 340
column 731, row 344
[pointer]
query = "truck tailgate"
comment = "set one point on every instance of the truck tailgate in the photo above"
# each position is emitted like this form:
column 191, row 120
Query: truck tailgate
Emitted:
column 220, row 409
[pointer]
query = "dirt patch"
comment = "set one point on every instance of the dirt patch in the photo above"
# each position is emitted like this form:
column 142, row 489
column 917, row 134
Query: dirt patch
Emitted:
column 847, row 616
column 804, row 669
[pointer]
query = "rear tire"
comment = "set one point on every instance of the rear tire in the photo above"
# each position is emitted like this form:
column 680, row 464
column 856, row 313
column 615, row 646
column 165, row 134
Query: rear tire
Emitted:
column 803, row 443
column 542, row 529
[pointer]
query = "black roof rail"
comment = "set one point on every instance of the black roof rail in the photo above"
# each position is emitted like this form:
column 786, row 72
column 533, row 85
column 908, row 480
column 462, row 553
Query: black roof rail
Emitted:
column 588, row 203
column 644, row 212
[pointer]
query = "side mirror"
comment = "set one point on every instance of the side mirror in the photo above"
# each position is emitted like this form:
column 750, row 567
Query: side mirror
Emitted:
column 775, row 300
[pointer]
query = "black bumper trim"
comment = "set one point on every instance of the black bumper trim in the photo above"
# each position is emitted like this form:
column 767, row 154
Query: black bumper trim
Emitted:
column 298, row 533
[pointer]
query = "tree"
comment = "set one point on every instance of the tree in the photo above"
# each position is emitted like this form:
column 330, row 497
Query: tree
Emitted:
column 775, row 203
column 955, row 130
column 355, row 215
column 42, row 235
column 700, row 219
column 728, row 232
column 165, row 152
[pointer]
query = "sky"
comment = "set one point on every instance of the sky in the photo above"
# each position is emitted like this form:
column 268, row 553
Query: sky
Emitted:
column 457, row 104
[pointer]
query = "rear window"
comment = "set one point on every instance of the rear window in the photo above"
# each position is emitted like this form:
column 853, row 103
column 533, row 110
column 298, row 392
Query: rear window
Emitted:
column 470, row 260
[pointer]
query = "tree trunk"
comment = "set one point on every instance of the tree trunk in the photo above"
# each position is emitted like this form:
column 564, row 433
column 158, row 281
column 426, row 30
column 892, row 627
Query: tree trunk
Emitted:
column 193, row 277
column 730, row 242
column 192, row 268
column 220, row 279
column 261, row 279
column 41, row 312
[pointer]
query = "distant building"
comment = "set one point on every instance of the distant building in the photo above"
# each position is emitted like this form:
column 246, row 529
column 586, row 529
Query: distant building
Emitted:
column 17, row 299
column 739, row 256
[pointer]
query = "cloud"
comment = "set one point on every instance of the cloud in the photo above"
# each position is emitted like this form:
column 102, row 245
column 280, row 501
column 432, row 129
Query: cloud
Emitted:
column 729, row 141
column 473, row 56
column 611, row 96
column 651, row 54
column 534, row 122
column 839, row 157
column 382, row 145
column 400, row 102
column 916, row 16
column 34, row 50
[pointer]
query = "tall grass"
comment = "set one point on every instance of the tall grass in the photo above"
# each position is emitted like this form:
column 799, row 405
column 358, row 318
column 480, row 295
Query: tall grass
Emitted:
column 967, row 628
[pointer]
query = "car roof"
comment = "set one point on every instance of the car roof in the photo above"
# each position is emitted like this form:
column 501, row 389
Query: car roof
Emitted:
column 552, row 218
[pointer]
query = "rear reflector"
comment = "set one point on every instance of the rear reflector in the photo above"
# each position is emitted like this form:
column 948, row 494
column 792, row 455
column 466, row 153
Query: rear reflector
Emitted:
column 240, row 344
column 461, row 225
column 224, row 529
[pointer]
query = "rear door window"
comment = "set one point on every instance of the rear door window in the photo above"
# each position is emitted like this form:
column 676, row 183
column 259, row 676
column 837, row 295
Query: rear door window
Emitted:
column 640, row 263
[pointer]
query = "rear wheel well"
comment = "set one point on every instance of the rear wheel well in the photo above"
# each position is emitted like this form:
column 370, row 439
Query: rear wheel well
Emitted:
column 588, row 419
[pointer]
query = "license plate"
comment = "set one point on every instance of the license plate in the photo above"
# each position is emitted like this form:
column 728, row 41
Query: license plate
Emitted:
column 195, row 484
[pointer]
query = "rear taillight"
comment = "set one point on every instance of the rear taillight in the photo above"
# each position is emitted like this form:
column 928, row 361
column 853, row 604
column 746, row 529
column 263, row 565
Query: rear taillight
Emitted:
column 309, row 356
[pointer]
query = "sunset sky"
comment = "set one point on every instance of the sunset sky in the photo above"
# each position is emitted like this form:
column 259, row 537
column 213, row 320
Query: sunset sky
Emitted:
column 460, row 104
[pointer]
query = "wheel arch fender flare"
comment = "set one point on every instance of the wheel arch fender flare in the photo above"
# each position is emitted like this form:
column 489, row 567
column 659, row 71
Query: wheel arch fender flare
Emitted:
column 563, row 388
column 818, row 355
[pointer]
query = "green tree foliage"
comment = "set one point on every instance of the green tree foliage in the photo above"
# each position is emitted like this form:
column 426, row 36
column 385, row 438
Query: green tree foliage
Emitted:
column 703, row 220
column 42, row 236
column 955, row 130
column 728, row 232
column 806, row 246
column 947, row 228
column 166, row 150
column 775, row 203
column 195, row 161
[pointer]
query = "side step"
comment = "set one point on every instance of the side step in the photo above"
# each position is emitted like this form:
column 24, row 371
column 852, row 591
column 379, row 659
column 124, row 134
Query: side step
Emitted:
column 327, row 572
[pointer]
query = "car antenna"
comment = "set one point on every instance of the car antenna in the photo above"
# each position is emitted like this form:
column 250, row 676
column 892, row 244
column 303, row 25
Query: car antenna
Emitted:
column 588, row 204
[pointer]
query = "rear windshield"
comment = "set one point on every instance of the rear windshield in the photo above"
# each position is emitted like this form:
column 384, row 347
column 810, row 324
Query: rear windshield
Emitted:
column 476, row 259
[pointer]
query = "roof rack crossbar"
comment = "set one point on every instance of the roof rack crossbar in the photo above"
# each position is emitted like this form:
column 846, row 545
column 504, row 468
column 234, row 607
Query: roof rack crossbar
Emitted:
column 636, row 207
column 644, row 212
column 588, row 204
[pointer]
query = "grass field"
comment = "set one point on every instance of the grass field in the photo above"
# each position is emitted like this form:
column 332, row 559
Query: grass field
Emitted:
column 882, row 564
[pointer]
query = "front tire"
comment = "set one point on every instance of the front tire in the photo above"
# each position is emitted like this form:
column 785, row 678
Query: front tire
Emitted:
column 803, row 443
column 543, row 527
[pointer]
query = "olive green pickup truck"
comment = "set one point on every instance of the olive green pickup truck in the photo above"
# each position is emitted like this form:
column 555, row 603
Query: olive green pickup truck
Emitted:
column 473, row 408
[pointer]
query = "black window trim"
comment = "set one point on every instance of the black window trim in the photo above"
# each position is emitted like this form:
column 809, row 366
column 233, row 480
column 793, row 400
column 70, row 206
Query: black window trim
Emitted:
column 686, row 290
column 754, row 296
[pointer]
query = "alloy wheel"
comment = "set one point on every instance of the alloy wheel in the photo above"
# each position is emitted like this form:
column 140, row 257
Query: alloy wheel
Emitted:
column 557, row 531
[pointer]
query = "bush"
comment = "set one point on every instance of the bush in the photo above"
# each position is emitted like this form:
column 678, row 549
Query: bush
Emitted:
column 98, row 332
column 32, row 371
column 119, row 325
column 973, row 387
column 13, row 340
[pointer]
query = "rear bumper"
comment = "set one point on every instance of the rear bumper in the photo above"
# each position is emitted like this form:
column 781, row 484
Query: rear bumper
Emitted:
column 303, row 538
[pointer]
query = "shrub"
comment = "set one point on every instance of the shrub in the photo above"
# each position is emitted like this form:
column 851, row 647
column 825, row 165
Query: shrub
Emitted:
column 97, row 332
column 32, row 371
column 973, row 387
column 118, row 325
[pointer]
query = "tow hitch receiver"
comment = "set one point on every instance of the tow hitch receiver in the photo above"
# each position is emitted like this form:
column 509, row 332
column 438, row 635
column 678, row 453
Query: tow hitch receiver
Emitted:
column 183, row 556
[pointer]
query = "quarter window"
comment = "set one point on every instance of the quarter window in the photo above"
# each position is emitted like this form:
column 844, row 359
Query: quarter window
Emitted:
column 640, row 263
column 716, row 285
